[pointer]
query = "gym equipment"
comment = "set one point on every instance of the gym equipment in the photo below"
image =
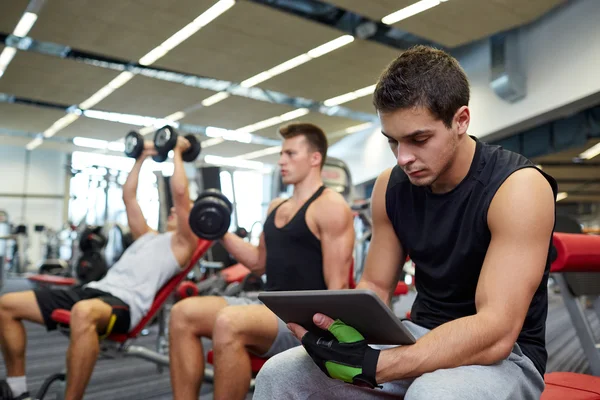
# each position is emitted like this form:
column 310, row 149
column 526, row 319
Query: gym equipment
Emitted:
column 4, row 237
column 119, row 238
column 576, row 270
column 121, row 345
column 186, row 289
column 335, row 174
column 210, row 216
column 54, row 267
column 91, row 266
column 165, row 140
column 134, row 144
column 241, row 232
column 92, row 239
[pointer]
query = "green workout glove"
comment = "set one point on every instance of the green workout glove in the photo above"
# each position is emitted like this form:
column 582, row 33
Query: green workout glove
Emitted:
column 349, row 358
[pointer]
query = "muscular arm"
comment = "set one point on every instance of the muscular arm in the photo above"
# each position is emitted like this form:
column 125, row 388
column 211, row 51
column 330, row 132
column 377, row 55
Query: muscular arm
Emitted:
column 334, row 219
column 253, row 257
column 135, row 217
column 520, row 219
column 184, row 239
column 384, row 259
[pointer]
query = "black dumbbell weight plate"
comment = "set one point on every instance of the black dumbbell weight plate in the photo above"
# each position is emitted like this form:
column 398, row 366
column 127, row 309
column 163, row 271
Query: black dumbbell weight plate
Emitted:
column 165, row 139
column 193, row 151
column 134, row 144
column 91, row 267
column 210, row 218
column 212, row 192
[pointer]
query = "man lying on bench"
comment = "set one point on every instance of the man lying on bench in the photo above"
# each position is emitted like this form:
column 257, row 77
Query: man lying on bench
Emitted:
column 112, row 305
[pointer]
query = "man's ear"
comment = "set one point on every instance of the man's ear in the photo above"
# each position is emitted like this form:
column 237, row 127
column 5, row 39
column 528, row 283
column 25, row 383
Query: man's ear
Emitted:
column 462, row 118
column 315, row 159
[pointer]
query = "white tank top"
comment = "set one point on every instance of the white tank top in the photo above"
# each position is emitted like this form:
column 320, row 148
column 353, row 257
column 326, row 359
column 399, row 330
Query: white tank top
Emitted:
column 141, row 271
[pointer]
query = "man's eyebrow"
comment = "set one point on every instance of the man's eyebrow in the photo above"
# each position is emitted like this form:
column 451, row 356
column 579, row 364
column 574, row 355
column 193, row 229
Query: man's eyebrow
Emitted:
column 410, row 135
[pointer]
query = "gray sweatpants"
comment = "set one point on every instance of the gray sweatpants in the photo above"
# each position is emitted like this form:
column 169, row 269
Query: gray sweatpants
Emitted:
column 293, row 375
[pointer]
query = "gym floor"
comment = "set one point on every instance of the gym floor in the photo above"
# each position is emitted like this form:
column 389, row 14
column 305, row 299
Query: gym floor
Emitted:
column 138, row 379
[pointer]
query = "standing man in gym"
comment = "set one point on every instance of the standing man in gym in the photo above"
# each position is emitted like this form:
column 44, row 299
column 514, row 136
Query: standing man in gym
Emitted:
column 477, row 220
column 114, row 304
column 306, row 244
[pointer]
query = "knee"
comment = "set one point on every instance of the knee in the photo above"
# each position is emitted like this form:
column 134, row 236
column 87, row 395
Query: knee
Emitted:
column 435, row 386
column 82, row 316
column 229, row 326
column 6, row 305
column 293, row 365
column 180, row 318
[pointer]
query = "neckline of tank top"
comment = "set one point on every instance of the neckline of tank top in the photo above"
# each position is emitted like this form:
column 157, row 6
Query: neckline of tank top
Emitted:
column 312, row 198
column 474, row 166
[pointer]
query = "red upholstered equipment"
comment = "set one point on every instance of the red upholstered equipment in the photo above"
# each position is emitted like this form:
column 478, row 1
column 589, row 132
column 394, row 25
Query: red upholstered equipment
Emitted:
column 52, row 280
column 235, row 273
column 64, row 316
column 576, row 253
column 571, row 386
column 255, row 362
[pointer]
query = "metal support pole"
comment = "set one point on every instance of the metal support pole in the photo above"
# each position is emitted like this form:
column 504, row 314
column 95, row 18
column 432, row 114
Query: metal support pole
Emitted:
column 581, row 324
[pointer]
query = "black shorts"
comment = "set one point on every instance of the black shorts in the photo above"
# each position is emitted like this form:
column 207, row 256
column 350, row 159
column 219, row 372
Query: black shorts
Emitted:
column 54, row 299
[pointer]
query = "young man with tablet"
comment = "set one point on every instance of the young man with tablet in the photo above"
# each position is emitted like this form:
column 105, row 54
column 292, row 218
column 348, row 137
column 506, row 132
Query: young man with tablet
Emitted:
column 477, row 220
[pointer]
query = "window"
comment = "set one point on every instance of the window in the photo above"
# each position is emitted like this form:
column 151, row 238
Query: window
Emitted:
column 96, row 188
column 249, row 199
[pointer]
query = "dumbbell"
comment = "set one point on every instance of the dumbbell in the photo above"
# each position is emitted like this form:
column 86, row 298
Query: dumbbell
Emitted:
column 165, row 140
column 210, row 216
column 92, row 239
column 134, row 144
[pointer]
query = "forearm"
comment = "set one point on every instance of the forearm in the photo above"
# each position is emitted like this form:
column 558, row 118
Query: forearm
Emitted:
column 381, row 292
column 473, row 340
column 243, row 252
column 131, row 184
column 178, row 181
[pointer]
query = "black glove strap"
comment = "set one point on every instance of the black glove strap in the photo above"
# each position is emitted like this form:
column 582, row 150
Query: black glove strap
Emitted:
column 369, row 367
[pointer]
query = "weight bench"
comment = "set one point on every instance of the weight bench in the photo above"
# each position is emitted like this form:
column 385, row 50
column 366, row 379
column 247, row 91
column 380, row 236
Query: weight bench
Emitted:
column 51, row 280
column 120, row 345
column 576, row 269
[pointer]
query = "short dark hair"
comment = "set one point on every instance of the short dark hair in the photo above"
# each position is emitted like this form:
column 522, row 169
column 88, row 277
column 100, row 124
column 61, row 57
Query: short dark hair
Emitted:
column 426, row 77
column 316, row 138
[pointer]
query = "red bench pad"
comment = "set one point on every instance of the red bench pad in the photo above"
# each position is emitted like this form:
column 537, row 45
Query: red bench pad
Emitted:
column 576, row 252
column 571, row 386
column 52, row 279
column 255, row 361
column 235, row 273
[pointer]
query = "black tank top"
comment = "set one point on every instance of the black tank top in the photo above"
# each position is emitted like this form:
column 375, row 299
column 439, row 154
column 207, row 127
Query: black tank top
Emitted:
column 447, row 237
column 294, row 257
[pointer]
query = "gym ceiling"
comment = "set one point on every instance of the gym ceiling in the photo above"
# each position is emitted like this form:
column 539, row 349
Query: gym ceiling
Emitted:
column 67, row 77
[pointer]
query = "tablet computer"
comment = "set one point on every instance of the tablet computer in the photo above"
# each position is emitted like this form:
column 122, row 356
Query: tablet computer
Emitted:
column 359, row 308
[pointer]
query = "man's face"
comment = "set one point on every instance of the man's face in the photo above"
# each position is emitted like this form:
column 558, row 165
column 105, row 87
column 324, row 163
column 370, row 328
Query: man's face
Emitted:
column 423, row 146
column 296, row 160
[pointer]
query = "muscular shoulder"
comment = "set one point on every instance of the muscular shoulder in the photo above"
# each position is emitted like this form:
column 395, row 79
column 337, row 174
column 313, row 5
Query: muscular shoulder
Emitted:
column 330, row 207
column 523, row 191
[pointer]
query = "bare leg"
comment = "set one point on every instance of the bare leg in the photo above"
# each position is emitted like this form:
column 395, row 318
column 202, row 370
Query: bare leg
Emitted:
column 15, row 307
column 88, row 317
column 190, row 320
column 238, row 329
